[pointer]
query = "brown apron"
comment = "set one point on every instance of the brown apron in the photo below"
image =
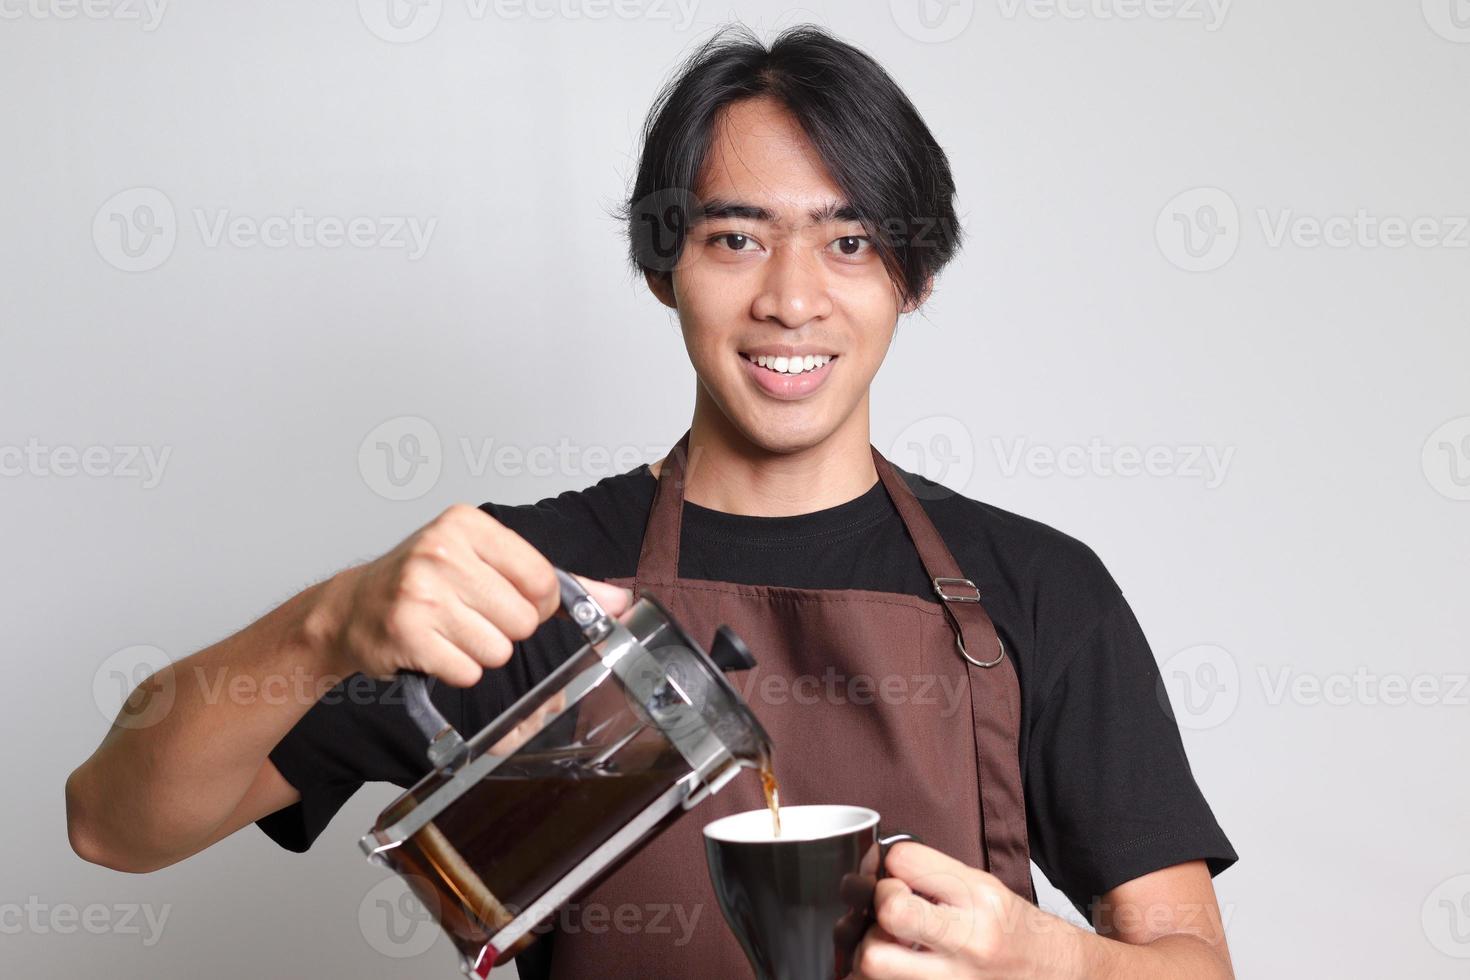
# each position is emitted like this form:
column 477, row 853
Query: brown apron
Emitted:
column 934, row 751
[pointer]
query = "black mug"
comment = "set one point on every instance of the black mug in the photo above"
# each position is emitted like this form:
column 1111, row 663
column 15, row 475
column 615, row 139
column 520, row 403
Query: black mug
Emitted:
column 799, row 903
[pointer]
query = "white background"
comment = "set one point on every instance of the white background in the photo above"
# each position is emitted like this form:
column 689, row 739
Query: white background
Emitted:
column 1330, row 549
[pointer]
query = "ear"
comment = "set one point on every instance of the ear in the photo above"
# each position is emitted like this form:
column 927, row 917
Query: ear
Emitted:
column 661, row 284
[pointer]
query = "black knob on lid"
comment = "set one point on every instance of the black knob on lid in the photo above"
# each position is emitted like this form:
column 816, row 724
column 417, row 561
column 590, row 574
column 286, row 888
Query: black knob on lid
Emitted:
column 729, row 651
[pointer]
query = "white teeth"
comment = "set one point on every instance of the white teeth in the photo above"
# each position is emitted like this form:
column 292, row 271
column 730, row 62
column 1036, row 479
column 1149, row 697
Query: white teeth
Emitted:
column 792, row 365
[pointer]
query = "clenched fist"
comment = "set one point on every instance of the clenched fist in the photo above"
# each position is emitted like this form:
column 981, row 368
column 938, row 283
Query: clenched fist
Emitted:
column 450, row 600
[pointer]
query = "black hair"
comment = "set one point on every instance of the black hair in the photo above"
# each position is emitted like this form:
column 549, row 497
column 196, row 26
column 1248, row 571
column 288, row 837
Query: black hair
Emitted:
column 871, row 139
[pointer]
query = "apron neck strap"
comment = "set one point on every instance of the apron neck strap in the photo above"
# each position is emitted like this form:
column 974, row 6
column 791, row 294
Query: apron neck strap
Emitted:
column 658, row 559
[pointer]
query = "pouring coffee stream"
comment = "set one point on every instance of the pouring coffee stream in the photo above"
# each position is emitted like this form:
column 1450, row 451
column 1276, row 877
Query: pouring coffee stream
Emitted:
column 630, row 732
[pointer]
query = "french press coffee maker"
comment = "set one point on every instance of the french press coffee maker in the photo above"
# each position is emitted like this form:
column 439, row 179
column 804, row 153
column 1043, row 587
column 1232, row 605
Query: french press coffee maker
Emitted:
column 630, row 732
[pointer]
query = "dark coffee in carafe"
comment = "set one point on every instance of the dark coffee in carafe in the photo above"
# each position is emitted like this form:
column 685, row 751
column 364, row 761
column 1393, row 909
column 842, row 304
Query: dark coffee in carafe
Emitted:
column 487, row 861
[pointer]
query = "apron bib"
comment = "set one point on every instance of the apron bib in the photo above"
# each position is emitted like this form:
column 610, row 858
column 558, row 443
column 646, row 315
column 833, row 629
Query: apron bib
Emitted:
column 875, row 699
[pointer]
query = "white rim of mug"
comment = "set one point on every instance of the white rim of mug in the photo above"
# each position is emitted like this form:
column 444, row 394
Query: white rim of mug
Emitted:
column 846, row 820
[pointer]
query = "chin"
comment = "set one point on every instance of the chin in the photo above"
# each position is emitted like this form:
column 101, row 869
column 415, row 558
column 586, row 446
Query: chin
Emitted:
column 788, row 429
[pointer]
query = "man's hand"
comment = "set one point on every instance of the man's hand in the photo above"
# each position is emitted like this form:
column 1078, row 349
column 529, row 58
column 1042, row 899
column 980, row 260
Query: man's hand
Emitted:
column 450, row 600
column 939, row 918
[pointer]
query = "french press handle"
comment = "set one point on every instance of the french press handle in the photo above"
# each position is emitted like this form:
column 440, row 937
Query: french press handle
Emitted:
column 447, row 748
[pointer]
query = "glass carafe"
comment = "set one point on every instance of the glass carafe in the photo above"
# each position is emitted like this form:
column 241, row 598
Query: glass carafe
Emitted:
column 630, row 732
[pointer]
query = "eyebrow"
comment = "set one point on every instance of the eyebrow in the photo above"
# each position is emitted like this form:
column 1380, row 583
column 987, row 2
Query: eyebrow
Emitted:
column 716, row 208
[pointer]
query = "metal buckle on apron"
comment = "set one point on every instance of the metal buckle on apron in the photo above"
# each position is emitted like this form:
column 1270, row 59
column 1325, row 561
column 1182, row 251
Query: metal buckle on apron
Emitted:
column 941, row 584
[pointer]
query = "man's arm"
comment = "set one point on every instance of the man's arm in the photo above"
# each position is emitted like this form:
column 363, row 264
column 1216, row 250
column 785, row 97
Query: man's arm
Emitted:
column 1164, row 924
column 936, row 918
column 178, row 772
column 185, row 763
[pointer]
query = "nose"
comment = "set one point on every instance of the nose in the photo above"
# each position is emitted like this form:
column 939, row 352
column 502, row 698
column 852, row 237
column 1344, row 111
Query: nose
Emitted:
column 793, row 289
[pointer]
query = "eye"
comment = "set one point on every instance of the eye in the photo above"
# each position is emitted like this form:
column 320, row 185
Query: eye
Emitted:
column 734, row 241
column 852, row 245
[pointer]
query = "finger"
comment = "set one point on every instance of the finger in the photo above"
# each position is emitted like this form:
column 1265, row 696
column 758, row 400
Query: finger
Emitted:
column 513, row 557
column 531, row 573
column 449, row 663
column 476, row 636
column 909, row 918
column 931, row 873
column 485, row 591
column 881, row 957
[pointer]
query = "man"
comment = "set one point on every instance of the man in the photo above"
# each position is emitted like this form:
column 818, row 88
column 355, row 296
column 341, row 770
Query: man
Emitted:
column 790, row 205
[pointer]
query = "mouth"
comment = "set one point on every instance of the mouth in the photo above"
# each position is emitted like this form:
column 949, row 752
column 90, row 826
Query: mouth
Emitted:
column 788, row 377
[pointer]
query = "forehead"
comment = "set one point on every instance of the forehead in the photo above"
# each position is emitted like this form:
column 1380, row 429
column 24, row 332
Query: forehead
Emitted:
column 760, row 156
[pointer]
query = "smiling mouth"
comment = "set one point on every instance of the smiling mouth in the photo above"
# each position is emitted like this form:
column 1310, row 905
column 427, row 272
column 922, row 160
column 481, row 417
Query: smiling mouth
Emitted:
column 791, row 366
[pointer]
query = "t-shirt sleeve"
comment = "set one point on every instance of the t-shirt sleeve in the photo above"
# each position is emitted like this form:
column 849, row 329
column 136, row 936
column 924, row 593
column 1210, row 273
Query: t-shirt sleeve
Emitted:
column 1110, row 792
column 358, row 732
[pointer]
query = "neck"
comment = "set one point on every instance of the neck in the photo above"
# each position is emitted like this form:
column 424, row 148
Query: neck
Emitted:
column 727, row 472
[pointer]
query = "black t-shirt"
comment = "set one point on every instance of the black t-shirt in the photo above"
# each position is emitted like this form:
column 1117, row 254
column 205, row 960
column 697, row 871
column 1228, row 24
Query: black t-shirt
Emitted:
column 1109, row 792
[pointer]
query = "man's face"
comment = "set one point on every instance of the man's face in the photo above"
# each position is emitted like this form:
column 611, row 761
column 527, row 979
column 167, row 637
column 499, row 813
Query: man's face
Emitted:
column 780, row 272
